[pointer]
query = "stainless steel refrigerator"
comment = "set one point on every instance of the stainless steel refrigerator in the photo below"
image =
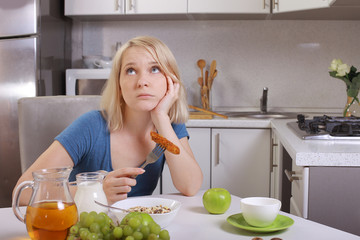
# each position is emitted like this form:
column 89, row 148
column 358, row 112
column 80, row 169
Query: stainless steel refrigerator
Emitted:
column 32, row 62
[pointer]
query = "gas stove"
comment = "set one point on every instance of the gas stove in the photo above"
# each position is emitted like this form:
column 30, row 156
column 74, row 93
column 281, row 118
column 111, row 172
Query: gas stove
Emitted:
column 326, row 127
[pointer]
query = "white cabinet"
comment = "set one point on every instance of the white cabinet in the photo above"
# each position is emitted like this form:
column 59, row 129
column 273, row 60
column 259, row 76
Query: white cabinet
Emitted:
column 241, row 161
column 94, row 7
column 156, row 7
column 280, row 6
column 229, row 6
column 200, row 145
column 124, row 7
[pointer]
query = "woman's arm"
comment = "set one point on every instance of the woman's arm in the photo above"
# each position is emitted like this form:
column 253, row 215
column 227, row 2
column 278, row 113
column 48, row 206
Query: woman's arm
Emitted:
column 55, row 156
column 185, row 171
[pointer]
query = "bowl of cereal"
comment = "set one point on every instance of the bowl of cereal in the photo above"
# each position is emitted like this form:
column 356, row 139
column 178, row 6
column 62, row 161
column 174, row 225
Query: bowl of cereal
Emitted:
column 162, row 210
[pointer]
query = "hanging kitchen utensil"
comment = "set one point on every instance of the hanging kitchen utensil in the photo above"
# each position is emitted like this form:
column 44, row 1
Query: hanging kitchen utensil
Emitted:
column 211, row 80
column 207, row 111
column 201, row 64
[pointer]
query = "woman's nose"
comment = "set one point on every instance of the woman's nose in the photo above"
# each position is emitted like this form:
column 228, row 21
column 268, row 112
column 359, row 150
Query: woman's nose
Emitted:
column 142, row 81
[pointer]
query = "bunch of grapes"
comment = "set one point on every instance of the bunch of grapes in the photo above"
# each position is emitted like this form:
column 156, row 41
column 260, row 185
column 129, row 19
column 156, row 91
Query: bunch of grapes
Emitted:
column 135, row 226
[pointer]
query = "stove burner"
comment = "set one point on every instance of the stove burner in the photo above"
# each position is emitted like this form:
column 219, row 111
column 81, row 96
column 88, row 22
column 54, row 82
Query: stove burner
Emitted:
column 335, row 126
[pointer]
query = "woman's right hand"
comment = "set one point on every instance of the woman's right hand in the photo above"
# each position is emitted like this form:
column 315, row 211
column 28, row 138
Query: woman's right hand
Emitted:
column 118, row 183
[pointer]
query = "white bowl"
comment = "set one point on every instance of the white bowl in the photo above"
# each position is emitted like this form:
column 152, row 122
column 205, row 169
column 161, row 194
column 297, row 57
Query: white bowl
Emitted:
column 163, row 219
column 260, row 211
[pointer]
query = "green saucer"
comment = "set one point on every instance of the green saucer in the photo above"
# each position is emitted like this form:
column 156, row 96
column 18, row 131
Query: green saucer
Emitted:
column 281, row 222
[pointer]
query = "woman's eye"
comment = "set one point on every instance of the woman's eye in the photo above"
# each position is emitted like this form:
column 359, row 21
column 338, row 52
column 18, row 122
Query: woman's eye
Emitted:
column 155, row 69
column 130, row 71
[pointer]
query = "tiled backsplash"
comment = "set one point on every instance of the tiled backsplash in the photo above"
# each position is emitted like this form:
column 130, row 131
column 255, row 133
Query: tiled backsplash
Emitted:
column 291, row 58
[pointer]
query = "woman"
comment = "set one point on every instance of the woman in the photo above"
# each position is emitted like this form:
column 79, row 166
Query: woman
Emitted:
column 143, row 94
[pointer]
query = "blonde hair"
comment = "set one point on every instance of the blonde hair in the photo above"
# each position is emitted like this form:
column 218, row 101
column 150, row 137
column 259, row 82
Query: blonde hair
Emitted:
column 112, row 102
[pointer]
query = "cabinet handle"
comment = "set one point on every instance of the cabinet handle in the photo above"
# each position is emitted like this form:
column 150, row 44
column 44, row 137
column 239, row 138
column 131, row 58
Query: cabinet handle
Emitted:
column 289, row 175
column 217, row 149
column 118, row 5
column 272, row 165
column 131, row 5
column 276, row 3
column 264, row 4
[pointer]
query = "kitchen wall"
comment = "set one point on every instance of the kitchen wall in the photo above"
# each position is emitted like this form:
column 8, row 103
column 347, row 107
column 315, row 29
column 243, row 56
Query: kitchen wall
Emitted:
column 290, row 57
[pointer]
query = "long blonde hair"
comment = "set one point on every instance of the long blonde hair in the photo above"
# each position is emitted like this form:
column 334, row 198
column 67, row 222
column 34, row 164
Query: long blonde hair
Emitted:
column 112, row 101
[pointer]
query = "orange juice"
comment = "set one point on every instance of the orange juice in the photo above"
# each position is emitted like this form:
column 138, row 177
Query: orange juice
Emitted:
column 50, row 220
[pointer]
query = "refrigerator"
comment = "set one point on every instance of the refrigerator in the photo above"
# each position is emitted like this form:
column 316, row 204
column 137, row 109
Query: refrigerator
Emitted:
column 33, row 57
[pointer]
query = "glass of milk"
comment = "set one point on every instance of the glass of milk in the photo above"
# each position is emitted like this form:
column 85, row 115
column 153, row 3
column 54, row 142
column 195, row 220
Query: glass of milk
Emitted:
column 89, row 189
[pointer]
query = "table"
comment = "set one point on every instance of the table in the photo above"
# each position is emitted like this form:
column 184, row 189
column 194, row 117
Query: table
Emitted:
column 194, row 222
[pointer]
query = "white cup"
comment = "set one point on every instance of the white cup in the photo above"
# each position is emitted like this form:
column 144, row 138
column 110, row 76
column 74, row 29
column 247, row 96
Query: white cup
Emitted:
column 103, row 63
column 260, row 211
column 88, row 61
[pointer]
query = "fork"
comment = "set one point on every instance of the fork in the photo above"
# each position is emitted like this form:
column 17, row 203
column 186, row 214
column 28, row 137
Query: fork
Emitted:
column 154, row 155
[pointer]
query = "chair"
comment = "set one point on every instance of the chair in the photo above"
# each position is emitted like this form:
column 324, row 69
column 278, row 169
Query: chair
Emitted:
column 41, row 119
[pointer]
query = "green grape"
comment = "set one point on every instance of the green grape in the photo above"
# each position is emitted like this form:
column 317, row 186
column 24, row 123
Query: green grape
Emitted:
column 152, row 236
column 74, row 230
column 71, row 237
column 84, row 233
column 155, row 228
column 109, row 236
column 118, row 232
column 105, row 229
column 164, row 235
column 89, row 220
column 92, row 236
column 100, row 219
column 138, row 235
column 100, row 235
column 128, row 230
column 134, row 222
column 129, row 238
column 83, row 217
column 93, row 213
column 94, row 227
column 145, row 230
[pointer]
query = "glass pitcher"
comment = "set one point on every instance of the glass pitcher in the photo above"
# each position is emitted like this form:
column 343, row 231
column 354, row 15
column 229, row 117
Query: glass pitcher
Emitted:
column 89, row 190
column 51, row 210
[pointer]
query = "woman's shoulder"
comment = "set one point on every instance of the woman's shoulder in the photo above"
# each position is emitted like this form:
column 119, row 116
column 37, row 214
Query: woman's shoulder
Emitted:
column 93, row 117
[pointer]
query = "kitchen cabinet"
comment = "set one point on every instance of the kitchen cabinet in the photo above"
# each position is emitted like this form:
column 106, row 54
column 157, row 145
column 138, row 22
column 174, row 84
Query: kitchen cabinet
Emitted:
column 200, row 145
column 232, row 158
column 229, row 6
column 240, row 161
column 124, row 7
column 324, row 194
column 280, row 6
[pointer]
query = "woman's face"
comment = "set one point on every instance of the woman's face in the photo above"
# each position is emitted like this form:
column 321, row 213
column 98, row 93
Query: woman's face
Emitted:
column 142, row 82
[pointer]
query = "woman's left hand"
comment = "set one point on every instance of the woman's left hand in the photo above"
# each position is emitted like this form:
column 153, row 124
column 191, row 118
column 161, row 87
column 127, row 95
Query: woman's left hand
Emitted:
column 168, row 100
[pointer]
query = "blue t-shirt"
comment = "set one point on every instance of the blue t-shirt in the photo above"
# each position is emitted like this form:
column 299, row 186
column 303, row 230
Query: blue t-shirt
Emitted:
column 87, row 140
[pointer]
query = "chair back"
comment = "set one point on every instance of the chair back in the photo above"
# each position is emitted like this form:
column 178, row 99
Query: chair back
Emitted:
column 41, row 119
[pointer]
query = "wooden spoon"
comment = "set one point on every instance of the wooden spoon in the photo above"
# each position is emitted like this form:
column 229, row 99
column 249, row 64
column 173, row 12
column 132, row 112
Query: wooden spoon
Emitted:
column 211, row 80
column 201, row 64
column 200, row 81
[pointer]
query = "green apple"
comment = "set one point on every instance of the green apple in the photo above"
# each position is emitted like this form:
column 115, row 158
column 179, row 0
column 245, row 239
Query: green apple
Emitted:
column 216, row 200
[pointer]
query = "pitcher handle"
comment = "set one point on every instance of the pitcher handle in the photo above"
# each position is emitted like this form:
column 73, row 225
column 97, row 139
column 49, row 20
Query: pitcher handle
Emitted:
column 16, row 197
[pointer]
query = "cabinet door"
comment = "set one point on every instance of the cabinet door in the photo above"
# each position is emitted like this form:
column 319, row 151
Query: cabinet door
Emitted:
column 296, row 5
column 200, row 145
column 275, row 167
column 93, row 7
column 156, row 6
column 299, row 177
column 241, row 161
column 229, row 6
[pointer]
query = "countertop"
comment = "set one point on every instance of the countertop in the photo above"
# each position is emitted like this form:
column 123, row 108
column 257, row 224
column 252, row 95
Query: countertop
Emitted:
column 304, row 152
column 194, row 222
column 316, row 152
